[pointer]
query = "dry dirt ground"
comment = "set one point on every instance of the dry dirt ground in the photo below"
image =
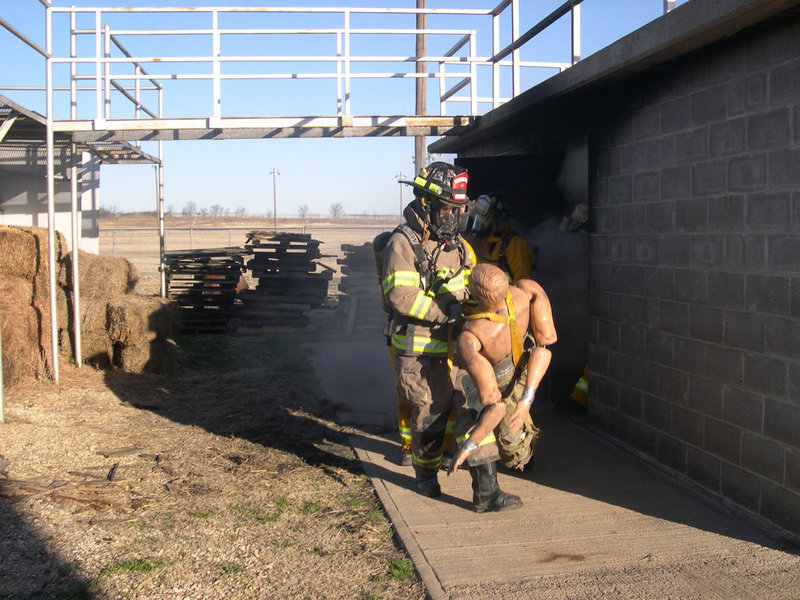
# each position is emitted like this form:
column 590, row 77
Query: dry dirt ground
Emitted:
column 227, row 478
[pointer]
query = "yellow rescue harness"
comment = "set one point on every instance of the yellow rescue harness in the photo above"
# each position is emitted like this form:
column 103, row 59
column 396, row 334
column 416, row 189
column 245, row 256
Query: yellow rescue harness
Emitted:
column 510, row 320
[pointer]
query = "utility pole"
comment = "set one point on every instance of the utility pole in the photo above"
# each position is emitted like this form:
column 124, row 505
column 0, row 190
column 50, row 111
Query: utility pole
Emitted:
column 421, row 81
column 399, row 180
column 274, row 201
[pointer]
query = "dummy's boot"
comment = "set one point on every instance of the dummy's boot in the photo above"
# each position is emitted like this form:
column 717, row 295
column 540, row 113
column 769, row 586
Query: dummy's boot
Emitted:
column 427, row 483
column 487, row 495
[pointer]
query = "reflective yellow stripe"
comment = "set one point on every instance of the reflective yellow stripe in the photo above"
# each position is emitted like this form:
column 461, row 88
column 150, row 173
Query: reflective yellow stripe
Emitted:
column 487, row 440
column 582, row 385
column 430, row 464
column 405, row 432
column 422, row 345
column 420, row 307
column 401, row 278
column 451, row 425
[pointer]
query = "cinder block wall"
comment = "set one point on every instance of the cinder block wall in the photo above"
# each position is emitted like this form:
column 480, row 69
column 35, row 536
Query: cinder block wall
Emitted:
column 694, row 340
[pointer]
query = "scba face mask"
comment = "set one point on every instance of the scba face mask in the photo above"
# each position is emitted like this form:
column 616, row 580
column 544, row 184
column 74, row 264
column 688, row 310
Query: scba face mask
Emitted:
column 447, row 227
column 481, row 214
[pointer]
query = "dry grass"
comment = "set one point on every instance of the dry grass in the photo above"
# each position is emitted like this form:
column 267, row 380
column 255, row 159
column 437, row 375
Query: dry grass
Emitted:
column 229, row 479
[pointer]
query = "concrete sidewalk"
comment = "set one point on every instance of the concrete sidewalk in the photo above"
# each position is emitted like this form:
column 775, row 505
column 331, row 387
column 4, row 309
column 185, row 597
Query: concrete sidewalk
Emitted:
column 597, row 521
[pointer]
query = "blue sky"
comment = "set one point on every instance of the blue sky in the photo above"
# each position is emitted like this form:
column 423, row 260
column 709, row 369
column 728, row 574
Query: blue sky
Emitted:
column 358, row 173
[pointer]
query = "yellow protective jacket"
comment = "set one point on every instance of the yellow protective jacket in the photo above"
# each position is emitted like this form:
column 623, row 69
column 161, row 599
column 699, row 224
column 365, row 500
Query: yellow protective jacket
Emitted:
column 507, row 250
column 421, row 310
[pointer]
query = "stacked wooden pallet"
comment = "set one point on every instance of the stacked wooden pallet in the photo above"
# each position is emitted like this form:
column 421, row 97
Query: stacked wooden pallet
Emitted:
column 203, row 284
column 289, row 281
column 359, row 307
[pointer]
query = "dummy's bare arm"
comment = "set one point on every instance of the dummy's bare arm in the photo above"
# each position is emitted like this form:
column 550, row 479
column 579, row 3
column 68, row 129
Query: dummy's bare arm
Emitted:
column 544, row 332
column 482, row 375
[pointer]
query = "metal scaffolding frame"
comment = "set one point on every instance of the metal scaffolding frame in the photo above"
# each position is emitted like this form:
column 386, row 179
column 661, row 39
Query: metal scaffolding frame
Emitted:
column 460, row 63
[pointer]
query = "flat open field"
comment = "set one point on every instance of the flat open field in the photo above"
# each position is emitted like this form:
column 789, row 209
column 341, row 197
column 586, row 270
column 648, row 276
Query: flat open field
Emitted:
column 136, row 238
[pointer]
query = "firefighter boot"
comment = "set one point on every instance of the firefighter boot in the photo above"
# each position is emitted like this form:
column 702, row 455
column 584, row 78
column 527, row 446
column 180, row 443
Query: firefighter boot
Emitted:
column 427, row 483
column 487, row 495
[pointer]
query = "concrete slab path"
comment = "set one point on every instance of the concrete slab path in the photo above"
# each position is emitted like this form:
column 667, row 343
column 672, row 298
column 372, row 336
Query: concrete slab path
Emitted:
column 597, row 521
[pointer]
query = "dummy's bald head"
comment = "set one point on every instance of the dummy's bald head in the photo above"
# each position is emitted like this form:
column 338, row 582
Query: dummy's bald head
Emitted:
column 489, row 285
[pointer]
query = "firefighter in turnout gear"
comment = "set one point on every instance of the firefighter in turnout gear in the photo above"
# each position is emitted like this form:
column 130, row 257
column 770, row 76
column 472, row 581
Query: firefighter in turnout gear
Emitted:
column 425, row 265
column 490, row 235
column 502, row 374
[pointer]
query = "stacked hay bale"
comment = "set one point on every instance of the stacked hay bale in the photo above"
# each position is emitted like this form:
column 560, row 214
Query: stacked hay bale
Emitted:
column 118, row 327
column 25, row 301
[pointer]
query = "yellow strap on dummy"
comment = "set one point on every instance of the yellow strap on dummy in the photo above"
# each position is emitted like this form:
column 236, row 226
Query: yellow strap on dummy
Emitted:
column 510, row 320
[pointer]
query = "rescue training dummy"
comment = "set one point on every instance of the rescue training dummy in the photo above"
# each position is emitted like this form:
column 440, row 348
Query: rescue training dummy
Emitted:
column 502, row 374
column 424, row 283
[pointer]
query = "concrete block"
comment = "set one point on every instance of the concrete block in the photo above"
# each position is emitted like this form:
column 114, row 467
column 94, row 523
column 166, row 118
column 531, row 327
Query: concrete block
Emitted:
column 763, row 456
column 619, row 249
column 708, row 251
column 706, row 323
column 633, row 218
column 768, row 293
column 645, row 250
column 598, row 191
column 769, row 211
column 690, row 285
column 784, row 83
column 690, row 76
column 745, row 252
column 631, row 401
column 703, row 468
column 708, row 106
column 765, row 51
column 705, row 396
column 784, row 169
column 642, row 312
column 782, row 421
column 793, row 469
column 727, row 137
column 676, row 182
column 743, row 409
column 619, row 425
column 598, row 304
column 661, row 152
column 691, row 146
column 690, row 356
column 621, row 131
column 608, row 163
column 607, row 388
column 726, row 213
column 620, row 189
column 725, row 289
column 748, row 174
column 676, row 115
column 674, row 317
column 783, row 337
column 691, row 216
column 659, row 347
column 646, row 186
column 794, row 384
column 608, row 219
column 745, row 330
column 598, row 248
column 724, row 365
column 709, row 178
column 644, row 438
column 795, row 296
column 660, row 282
column 633, row 157
column 632, row 341
column 657, row 413
column 796, row 124
column 673, row 385
column 784, row 251
column 765, row 375
column 746, row 95
column 674, row 250
column 646, row 122
column 722, row 440
column 672, row 452
column 687, row 425
column 608, row 334
column 781, row 506
column 741, row 486
column 661, row 217
column 632, row 279
column 769, row 130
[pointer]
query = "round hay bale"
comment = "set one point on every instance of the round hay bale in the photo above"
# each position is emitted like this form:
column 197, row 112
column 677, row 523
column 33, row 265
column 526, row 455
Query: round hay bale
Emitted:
column 17, row 253
column 20, row 331
column 134, row 319
column 104, row 276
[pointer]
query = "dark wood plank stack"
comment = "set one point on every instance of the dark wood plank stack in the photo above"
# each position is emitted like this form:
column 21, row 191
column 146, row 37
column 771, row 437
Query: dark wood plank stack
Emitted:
column 289, row 281
column 203, row 284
